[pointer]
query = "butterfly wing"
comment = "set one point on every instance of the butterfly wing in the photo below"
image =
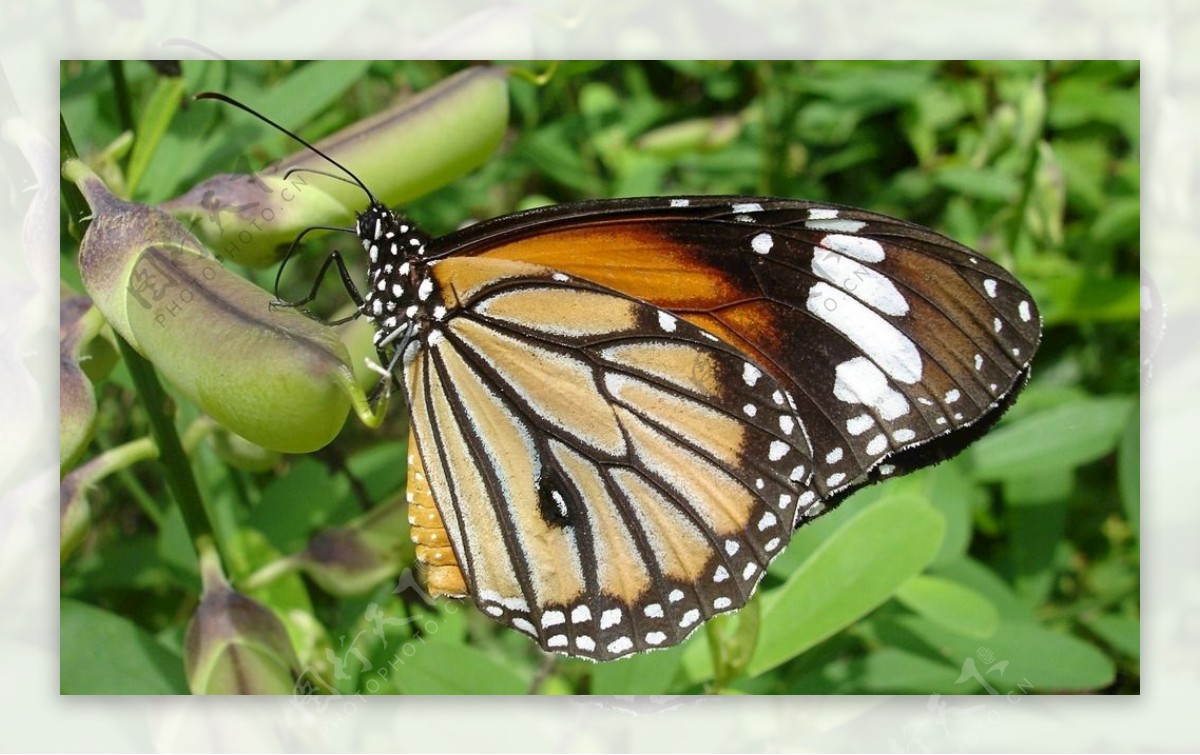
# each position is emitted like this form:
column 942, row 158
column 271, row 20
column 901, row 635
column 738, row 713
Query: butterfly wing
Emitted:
column 609, row 475
column 897, row 345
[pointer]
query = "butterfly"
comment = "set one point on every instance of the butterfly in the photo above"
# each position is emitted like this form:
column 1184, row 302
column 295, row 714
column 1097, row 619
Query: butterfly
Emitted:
column 622, row 409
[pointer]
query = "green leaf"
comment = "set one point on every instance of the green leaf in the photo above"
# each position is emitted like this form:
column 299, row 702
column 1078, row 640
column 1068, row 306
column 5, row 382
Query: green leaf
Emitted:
column 950, row 604
column 156, row 117
column 892, row 670
column 1129, row 470
column 104, row 654
column 981, row 579
column 441, row 668
column 1048, row 486
column 854, row 571
column 1034, row 536
column 294, row 506
column 646, row 674
column 980, row 183
column 957, row 497
column 1122, row 633
column 1066, row 436
column 306, row 92
column 1020, row 657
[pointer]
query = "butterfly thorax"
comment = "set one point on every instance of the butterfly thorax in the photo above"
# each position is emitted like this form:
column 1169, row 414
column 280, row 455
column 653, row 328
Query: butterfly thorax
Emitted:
column 401, row 291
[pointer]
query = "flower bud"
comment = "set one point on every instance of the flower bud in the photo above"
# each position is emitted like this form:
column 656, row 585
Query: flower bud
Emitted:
column 271, row 375
column 401, row 153
column 77, row 399
column 351, row 559
column 690, row 136
column 235, row 645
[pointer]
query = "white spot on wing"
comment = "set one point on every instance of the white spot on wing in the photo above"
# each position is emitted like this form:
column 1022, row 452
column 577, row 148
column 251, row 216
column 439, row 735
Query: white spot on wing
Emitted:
column 886, row 345
column 524, row 625
column 868, row 285
column 859, row 381
column 666, row 322
column 750, row 374
column 989, row 285
column 877, row 445
column 862, row 249
column 778, row 450
column 747, row 207
column 610, row 618
column 822, row 213
column 620, row 645
column 1023, row 310
column 762, row 243
column 860, row 424
column 835, row 225
column 679, row 202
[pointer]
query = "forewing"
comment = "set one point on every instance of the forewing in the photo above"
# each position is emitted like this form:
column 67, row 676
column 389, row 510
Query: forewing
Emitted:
column 897, row 345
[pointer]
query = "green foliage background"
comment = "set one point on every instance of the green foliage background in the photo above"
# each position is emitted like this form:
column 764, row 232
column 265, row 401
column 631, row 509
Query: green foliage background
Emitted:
column 1013, row 567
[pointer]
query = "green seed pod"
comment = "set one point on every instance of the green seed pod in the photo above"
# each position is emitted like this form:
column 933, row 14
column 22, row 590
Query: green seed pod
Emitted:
column 271, row 375
column 401, row 153
column 235, row 645
column 690, row 136
column 352, row 559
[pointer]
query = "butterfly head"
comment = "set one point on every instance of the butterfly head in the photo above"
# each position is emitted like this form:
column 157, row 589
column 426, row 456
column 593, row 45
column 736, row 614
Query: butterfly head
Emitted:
column 400, row 290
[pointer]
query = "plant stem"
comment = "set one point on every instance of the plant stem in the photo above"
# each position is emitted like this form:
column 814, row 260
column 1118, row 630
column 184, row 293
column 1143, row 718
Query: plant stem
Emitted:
column 77, row 209
column 179, row 476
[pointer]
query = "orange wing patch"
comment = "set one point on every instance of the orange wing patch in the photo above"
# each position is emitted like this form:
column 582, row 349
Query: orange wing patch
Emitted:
column 632, row 258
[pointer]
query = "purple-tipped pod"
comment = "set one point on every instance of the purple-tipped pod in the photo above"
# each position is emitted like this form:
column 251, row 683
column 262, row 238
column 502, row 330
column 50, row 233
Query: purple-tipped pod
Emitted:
column 406, row 151
column 270, row 374
column 235, row 645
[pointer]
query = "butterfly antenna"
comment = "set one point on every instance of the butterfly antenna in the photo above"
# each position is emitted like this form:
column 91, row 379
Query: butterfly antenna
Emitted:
column 327, row 173
column 230, row 101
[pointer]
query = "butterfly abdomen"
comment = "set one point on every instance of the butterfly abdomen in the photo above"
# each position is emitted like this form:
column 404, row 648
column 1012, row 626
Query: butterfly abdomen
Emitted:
column 443, row 576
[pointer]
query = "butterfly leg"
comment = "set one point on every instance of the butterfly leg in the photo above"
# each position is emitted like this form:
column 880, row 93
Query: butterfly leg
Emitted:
column 335, row 258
